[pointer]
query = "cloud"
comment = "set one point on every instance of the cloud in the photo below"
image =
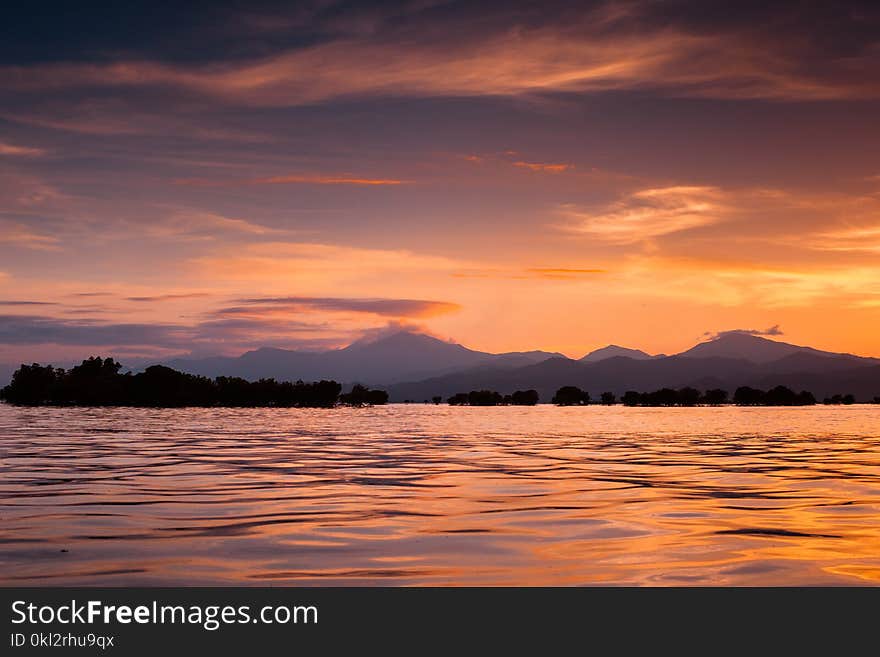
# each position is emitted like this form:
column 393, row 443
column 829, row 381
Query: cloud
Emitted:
column 327, row 180
column 544, row 167
column 594, row 50
column 323, row 266
column 234, row 334
column 18, row 234
column 771, row 331
column 202, row 225
column 561, row 273
column 16, row 302
column 167, row 297
column 648, row 213
column 35, row 329
column 22, row 151
column 394, row 327
column 849, row 239
column 296, row 179
column 416, row 308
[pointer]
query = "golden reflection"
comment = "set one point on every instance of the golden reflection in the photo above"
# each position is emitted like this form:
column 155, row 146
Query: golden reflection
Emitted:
column 414, row 494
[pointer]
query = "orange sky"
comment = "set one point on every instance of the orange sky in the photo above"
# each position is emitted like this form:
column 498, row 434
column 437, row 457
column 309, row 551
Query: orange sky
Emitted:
column 510, row 180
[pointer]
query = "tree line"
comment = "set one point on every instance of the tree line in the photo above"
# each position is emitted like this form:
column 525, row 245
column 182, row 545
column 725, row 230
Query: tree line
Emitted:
column 98, row 382
column 742, row 396
column 492, row 398
column 574, row 396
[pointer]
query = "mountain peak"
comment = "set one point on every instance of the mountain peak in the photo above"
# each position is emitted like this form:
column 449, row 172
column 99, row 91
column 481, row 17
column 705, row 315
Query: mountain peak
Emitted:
column 753, row 348
column 402, row 339
column 613, row 350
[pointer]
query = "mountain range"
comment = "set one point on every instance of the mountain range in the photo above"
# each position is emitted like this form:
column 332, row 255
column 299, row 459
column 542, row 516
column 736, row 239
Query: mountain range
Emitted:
column 416, row 366
column 402, row 356
column 727, row 362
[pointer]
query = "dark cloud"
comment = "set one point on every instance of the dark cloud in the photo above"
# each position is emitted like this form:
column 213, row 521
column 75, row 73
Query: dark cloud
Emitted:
column 383, row 307
column 35, row 329
column 773, row 330
column 168, row 297
column 741, row 50
column 15, row 302
column 199, row 31
column 207, row 336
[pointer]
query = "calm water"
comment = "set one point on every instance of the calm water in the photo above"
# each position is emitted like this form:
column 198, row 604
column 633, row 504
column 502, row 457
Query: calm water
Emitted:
column 405, row 495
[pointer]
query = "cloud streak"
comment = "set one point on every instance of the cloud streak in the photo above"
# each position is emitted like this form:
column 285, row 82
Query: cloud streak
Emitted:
column 648, row 213
column 20, row 151
column 37, row 329
column 18, row 234
column 771, row 331
column 544, row 167
column 397, row 308
column 599, row 50
column 562, row 273
column 168, row 297
column 295, row 179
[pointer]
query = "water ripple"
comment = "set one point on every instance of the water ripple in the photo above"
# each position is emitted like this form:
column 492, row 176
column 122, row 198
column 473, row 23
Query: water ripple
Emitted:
column 431, row 495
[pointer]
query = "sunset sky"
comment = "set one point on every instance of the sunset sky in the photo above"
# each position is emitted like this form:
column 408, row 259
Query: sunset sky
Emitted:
column 205, row 179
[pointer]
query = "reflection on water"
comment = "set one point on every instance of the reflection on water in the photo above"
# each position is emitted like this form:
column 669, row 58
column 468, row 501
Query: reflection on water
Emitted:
column 404, row 495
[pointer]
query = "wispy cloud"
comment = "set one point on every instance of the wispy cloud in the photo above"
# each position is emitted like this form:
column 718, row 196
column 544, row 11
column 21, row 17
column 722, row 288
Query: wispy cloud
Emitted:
column 771, row 331
column 864, row 239
column 314, row 265
column 295, row 179
column 17, row 302
column 400, row 308
column 202, row 225
column 648, row 213
column 20, row 235
column 35, row 329
column 327, row 180
column 562, row 273
column 544, row 167
column 168, row 297
column 21, row 151
column 596, row 51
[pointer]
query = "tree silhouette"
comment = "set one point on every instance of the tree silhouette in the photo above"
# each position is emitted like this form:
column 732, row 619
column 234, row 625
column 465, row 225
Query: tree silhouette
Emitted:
column 33, row 384
column 746, row 396
column 524, row 398
column 662, row 397
column 570, row 396
column 715, row 397
column 363, row 396
column 484, row 398
column 688, row 397
column 97, row 382
column 608, row 398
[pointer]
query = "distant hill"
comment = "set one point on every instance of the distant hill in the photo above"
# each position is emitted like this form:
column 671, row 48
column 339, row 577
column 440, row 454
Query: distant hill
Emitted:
column 757, row 349
column 416, row 366
column 613, row 350
column 404, row 355
column 728, row 362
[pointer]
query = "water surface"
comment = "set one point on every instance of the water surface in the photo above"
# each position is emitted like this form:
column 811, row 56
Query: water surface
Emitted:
column 434, row 495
